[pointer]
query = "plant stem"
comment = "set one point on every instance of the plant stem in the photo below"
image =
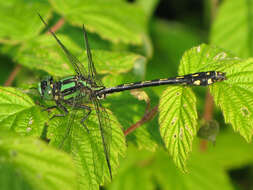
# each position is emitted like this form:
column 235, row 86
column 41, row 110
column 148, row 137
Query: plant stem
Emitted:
column 148, row 116
column 12, row 75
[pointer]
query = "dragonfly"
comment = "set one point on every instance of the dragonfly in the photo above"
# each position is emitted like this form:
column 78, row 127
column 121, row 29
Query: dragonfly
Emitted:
column 85, row 88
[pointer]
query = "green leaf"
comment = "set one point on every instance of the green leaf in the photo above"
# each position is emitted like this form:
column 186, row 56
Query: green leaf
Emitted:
column 19, row 113
column 116, row 21
column 19, row 20
column 205, row 58
column 231, row 151
column 170, row 41
column 86, row 147
column 178, row 104
column 113, row 62
column 234, row 96
column 45, row 54
column 233, row 29
column 178, row 122
column 159, row 172
column 148, row 6
column 28, row 163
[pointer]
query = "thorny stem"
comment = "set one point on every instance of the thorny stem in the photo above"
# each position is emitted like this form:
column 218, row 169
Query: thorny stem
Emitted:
column 148, row 116
column 17, row 68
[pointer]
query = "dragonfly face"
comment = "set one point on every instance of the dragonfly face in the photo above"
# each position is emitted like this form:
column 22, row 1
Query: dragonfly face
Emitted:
column 45, row 88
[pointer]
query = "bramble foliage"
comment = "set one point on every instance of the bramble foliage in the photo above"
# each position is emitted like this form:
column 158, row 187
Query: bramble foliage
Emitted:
column 122, row 49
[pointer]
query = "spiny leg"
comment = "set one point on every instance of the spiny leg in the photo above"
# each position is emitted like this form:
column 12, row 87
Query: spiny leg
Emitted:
column 83, row 107
column 85, row 116
column 61, row 107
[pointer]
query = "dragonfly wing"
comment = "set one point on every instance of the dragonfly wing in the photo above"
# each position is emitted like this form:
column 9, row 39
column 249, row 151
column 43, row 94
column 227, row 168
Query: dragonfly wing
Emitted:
column 105, row 130
column 91, row 68
column 78, row 66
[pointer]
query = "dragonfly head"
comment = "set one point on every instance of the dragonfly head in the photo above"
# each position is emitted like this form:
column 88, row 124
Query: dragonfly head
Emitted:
column 220, row 76
column 45, row 88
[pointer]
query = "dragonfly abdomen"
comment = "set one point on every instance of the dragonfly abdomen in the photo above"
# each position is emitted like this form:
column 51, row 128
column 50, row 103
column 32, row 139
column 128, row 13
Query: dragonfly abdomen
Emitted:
column 195, row 79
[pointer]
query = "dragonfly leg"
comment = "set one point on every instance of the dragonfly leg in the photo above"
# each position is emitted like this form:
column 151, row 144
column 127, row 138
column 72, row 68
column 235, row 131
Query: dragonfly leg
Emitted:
column 83, row 107
column 85, row 116
column 61, row 107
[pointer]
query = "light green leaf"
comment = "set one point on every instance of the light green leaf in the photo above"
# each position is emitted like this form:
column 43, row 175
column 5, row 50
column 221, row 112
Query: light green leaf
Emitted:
column 232, row 29
column 205, row 58
column 234, row 96
column 116, row 21
column 19, row 20
column 45, row 54
column 178, row 122
column 19, row 113
column 159, row 172
column 177, row 105
column 107, row 62
column 86, row 147
column 143, row 139
column 133, row 178
column 231, row 151
column 28, row 163
column 148, row 5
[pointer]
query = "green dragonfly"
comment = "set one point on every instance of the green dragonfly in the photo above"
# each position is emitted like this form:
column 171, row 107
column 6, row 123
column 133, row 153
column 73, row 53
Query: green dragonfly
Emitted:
column 79, row 91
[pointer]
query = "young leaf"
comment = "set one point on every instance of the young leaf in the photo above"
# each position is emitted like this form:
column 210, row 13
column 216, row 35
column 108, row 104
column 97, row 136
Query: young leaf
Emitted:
column 178, row 122
column 28, row 163
column 116, row 21
column 232, row 29
column 86, row 147
column 19, row 113
column 19, row 19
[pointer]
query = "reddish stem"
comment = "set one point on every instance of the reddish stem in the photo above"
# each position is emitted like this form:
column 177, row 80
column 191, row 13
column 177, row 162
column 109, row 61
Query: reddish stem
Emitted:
column 57, row 26
column 148, row 116
column 208, row 115
column 12, row 76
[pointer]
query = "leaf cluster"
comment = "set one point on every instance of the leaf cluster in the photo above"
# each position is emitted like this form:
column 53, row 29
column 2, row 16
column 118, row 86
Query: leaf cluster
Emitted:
column 127, row 44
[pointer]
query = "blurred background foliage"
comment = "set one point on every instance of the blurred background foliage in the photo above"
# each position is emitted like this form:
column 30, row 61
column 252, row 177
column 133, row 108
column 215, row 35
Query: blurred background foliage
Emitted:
column 156, row 33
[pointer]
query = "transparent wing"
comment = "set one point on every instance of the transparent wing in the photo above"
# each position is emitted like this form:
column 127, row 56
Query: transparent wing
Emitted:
column 105, row 130
column 78, row 66
column 91, row 68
